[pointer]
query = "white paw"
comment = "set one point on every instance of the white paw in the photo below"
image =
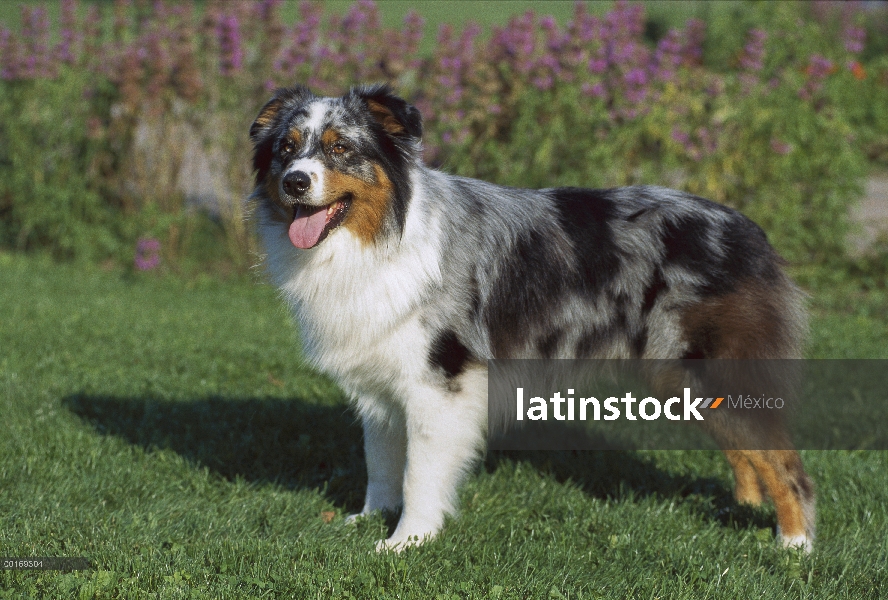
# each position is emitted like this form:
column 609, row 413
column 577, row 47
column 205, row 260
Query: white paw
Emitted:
column 803, row 542
column 397, row 545
column 353, row 519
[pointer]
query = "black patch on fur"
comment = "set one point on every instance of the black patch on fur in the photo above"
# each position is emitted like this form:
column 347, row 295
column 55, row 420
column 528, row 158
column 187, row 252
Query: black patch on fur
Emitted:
column 584, row 215
column 591, row 341
column 744, row 248
column 475, row 296
column 262, row 155
column 475, row 206
column 586, row 343
column 407, row 115
column 636, row 214
column 448, row 354
column 685, row 245
column 639, row 342
column 528, row 279
column 654, row 290
column 547, row 345
column 747, row 251
column 703, row 343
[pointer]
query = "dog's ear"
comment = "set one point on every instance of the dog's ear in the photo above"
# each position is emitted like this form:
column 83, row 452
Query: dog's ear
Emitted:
column 397, row 117
column 290, row 96
column 265, row 117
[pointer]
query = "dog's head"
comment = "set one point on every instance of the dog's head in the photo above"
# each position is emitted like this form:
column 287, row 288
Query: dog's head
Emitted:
column 325, row 162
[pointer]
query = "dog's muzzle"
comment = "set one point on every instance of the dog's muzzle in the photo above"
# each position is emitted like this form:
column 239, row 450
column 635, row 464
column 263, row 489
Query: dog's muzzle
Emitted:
column 296, row 183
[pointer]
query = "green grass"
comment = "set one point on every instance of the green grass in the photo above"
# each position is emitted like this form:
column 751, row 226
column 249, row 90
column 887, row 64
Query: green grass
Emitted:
column 168, row 431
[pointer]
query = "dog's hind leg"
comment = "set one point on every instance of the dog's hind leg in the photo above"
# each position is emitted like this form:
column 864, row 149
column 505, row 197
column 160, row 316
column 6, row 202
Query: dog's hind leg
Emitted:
column 767, row 463
column 747, row 485
column 792, row 492
column 445, row 433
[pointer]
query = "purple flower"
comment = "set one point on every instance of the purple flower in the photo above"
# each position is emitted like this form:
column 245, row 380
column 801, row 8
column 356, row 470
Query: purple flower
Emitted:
column 754, row 51
column 818, row 70
column 695, row 35
column 854, row 38
column 266, row 9
column 362, row 16
column 302, row 38
column 543, row 83
column 636, row 85
column 35, row 32
column 748, row 82
column 597, row 65
column 820, row 67
column 636, row 77
column 230, row 45
column 549, row 62
column 708, row 138
column 147, row 254
column 410, row 38
column 670, row 45
column 780, row 147
column 7, row 53
column 680, row 136
column 64, row 50
column 596, row 90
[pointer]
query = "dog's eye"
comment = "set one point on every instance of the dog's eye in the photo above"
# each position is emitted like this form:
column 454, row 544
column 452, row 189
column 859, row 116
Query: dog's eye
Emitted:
column 338, row 148
column 288, row 148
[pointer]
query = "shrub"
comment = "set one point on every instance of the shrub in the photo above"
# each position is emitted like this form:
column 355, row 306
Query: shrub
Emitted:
column 49, row 197
column 133, row 118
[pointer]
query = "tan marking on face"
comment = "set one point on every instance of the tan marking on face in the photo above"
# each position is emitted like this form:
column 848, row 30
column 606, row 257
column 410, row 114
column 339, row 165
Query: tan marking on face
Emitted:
column 385, row 117
column 748, row 323
column 370, row 200
column 329, row 136
column 295, row 136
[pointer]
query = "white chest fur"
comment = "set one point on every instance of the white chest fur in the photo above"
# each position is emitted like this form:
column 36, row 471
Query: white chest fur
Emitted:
column 359, row 307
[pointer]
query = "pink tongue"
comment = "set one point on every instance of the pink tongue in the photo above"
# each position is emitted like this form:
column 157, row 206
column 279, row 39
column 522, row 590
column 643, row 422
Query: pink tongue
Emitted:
column 307, row 227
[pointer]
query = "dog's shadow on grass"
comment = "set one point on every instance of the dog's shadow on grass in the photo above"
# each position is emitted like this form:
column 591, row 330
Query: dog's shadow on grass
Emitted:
column 622, row 474
column 302, row 445
column 292, row 443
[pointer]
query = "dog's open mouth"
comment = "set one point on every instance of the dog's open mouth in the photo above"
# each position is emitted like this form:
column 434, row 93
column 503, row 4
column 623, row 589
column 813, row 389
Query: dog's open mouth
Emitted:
column 311, row 224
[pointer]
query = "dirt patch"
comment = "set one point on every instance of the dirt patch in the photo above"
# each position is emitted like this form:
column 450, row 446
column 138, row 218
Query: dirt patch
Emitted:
column 871, row 214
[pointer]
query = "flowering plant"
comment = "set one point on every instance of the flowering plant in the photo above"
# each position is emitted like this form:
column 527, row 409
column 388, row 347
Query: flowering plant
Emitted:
column 156, row 100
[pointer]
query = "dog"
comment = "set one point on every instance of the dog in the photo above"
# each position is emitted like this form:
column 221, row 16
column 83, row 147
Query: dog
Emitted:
column 405, row 280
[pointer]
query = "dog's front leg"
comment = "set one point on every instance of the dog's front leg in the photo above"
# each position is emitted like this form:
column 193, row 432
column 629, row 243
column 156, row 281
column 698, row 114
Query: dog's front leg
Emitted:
column 385, row 449
column 445, row 432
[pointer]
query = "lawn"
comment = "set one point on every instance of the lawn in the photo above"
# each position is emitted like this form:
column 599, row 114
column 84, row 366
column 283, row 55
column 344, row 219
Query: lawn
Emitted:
column 167, row 430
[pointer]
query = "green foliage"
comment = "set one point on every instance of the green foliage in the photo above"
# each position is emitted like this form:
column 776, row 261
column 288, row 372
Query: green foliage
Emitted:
column 49, row 193
column 784, row 137
column 93, row 147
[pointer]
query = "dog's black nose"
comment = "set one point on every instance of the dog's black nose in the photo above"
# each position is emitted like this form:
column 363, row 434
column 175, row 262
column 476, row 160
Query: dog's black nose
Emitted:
column 296, row 183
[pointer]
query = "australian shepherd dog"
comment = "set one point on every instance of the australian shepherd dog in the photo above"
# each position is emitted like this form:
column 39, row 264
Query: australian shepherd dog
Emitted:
column 405, row 280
